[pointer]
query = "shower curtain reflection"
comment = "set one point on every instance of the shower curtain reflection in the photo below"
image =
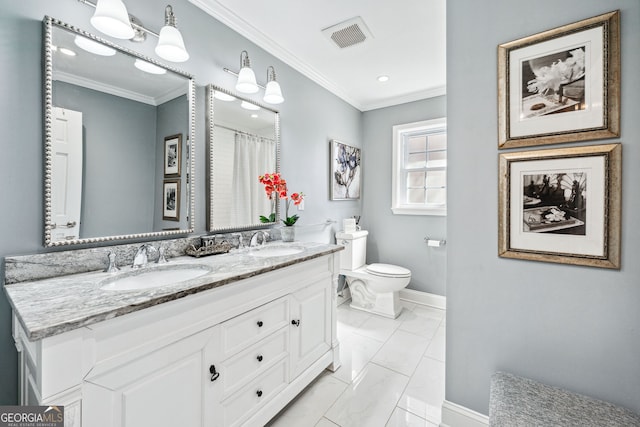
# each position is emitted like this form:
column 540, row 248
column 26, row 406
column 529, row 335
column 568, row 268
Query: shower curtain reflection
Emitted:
column 253, row 156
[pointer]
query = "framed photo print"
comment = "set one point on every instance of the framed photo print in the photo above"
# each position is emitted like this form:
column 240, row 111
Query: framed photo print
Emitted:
column 561, row 205
column 561, row 85
column 172, row 155
column 345, row 171
column 171, row 200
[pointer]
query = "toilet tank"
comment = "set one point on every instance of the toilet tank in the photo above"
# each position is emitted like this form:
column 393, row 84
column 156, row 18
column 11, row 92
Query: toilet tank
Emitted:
column 355, row 252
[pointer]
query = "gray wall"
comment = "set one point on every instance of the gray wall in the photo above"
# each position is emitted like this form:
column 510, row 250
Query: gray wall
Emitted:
column 574, row 327
column 399, row 239
column 310, row 117
column 118, row 171
column 173, row 119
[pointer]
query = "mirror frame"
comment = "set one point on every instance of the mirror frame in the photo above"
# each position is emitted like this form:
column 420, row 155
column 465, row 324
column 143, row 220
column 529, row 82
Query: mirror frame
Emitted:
column 49, row 23
column 211, row 227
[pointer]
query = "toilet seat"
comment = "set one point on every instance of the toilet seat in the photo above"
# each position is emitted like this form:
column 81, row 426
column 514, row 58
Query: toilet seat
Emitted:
column 388, row 270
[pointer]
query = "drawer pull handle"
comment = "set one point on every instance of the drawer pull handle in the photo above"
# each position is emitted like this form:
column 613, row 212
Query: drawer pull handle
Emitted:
column 259, row 393
column 260, row 323
column 213, row 372
column 259, row 358
column 295, row 323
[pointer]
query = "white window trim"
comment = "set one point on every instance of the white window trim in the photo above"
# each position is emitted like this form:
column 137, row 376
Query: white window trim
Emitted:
column 404, row 209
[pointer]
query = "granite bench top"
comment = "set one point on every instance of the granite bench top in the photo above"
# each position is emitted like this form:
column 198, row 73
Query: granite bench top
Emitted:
column 55, row 305
column 517, row 401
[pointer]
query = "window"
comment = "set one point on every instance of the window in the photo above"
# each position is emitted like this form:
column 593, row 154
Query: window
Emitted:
column 420, row 168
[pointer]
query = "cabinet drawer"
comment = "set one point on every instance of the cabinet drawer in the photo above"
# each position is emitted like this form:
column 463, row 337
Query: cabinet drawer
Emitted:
column 241, row 368
column 248, row 328
column 245, row 402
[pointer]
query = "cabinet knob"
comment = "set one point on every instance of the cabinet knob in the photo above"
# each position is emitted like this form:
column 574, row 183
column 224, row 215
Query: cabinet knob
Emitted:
column 295, row 323
column 213, row 372
column 259, row 358
column 260, row 323
column 259, row 393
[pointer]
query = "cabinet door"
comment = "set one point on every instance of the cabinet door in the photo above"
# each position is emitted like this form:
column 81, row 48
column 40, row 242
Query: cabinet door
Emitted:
column 310, row 325
column 166, row 388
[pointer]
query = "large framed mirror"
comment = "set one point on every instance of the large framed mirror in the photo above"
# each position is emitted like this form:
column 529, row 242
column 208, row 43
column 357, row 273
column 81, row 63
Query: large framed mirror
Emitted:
column 119, row 132
column 243, row 143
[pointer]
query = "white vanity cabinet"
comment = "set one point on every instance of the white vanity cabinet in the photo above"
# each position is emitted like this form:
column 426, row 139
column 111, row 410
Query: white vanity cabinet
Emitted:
column 311, row 332
column 229, row 356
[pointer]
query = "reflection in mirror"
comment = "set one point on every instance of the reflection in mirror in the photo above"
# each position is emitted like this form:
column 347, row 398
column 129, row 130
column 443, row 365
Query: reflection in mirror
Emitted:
column 113, row 123
column 244, row 143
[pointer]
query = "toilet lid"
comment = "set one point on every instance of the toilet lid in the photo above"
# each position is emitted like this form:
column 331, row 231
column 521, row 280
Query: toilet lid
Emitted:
column 388, row 270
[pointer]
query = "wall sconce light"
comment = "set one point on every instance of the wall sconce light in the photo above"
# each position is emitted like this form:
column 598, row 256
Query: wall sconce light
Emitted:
column 246, row 82
column 170, row 44
column 246, row 77
column 249, row 106
column 93, row 47
column 273, row 93
column 111, row 18
column 148, row 67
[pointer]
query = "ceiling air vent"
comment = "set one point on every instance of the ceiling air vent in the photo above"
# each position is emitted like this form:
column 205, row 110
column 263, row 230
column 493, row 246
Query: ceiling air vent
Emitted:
column 348, row 33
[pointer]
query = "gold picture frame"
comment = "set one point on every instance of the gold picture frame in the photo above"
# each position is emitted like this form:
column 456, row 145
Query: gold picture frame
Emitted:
column 561, row 205
column 171, row 200
column 561, row 85
column 173, row 156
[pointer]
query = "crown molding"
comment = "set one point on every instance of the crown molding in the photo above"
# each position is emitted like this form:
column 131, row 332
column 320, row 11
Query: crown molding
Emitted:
column 239, row 25
column 242, row 27
column 403, row 99
column 102, row 87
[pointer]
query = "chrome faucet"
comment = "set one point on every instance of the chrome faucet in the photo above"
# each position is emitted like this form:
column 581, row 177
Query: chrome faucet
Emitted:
column 142, row 255
column 240, row 240
column 113, row 263
column 254, row 238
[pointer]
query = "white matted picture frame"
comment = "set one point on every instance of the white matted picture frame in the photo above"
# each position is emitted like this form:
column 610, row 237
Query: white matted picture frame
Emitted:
column 561, row 85
column 171, row 200
column 173, row 155
column 561, row 205
column 346, row 171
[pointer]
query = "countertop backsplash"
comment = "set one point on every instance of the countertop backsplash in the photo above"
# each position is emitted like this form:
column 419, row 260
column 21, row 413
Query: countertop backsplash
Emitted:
column 24, row 268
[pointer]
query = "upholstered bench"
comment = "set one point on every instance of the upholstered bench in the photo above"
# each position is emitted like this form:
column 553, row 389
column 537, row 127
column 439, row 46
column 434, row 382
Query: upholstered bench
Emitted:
column 521, row 402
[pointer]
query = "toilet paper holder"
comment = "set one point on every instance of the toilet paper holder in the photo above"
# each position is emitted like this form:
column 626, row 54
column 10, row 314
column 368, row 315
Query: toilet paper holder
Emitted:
column 433, row 242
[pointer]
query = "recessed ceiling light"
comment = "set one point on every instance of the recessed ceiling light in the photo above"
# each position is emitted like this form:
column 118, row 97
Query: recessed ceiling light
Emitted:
column 66, row 51
column 254, row 116
column 383, row 79
column 148, row 67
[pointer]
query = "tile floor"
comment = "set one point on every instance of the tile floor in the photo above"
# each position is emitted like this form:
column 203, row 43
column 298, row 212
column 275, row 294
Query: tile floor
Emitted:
column 392, row 374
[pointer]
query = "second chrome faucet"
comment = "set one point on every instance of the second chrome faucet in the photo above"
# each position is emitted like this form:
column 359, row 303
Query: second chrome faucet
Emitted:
column 144, row 252
column 254, row 238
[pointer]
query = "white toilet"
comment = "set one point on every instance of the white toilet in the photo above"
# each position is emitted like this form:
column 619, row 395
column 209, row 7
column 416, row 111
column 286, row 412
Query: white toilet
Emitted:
column 374, row 288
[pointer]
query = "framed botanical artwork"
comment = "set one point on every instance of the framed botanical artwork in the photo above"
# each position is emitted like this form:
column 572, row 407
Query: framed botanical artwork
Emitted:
column 561, row 85
column 171, row 200
column 172, row 155
column 345, row 171
column 561, row 205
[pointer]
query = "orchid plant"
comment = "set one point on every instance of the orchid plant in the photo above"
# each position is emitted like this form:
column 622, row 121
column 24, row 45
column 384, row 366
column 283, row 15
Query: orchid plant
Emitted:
column 276, row 188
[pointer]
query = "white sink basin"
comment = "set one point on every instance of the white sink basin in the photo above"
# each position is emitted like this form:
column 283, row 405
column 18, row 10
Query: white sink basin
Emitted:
column 274, row 251
column 153, row 277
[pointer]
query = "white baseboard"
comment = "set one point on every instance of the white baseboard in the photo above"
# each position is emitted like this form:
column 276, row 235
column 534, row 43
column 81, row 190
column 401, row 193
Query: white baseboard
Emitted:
column 454, row 415
column 424, row 298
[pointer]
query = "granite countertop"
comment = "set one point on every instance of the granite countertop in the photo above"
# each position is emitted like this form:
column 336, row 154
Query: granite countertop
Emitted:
column 52, row 306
